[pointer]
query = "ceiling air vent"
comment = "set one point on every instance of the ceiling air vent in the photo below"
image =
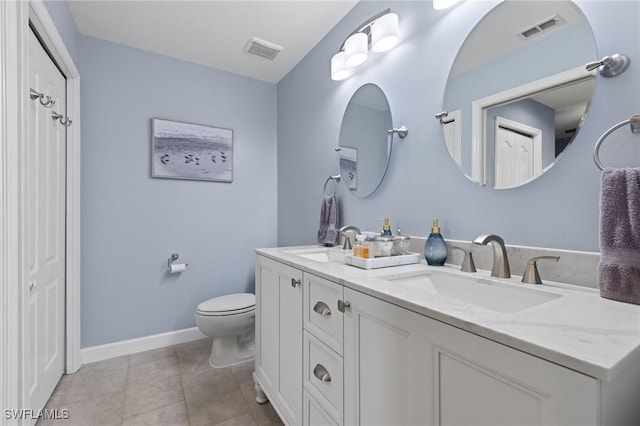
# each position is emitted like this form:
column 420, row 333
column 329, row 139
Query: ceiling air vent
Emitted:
column 262, row 48
column 541, row 27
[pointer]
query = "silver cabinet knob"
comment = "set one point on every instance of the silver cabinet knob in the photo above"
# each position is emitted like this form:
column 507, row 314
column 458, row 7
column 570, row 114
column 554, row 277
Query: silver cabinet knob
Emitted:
column 531, row 275
column 343, row 305
column 321, row 373
column 32, row 285
column 295, row 283
column 322, row 309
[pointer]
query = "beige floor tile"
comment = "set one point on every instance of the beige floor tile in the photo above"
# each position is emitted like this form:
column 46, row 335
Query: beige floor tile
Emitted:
column 164, row 367
column 103, row 410
column 244, row 420
column 243, row 372
column 148, row 393
column 167, row 386
column 153, row 355
column 171, row 415
column 97, row 379
column 206, row 412
column 198, row 349
column 196, row 371
column 264, row 414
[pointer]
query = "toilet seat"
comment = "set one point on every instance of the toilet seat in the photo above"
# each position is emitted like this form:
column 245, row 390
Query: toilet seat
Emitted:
column 230, row 304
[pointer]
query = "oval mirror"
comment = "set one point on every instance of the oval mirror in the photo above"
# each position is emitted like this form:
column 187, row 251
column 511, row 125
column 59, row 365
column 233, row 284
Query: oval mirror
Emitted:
column 518, row 91
column 365, row 146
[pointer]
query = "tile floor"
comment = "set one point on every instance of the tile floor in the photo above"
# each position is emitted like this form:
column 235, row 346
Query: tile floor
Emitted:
column 168, row 386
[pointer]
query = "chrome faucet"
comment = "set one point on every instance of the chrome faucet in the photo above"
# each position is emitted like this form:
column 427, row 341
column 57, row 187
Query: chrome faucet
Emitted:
column 347, row 241
column 500, row 260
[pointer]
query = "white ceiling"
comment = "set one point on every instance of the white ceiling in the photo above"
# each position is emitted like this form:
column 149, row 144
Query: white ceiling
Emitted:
column 213, row 32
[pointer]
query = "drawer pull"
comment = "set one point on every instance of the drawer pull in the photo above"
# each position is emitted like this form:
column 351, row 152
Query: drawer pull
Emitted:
column 322, row 309
column 295, row 283
column 321, row 373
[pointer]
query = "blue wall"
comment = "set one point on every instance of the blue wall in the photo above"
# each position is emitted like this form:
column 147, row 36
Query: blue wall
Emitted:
column 131, row 223
column 284, row 141
column 559, row 210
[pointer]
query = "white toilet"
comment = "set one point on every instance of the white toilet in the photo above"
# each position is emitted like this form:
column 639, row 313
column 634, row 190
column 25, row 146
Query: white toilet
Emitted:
column 229, row 320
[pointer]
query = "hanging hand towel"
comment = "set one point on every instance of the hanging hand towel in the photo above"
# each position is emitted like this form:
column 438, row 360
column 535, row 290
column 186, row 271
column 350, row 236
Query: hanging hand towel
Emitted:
column 619, row 269
column 329, row 219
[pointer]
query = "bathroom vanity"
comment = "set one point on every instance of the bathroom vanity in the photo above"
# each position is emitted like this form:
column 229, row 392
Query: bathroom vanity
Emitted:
column 421, row 345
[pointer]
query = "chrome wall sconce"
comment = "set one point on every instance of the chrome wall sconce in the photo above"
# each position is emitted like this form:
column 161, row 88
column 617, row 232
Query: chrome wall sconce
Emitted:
column 380, row 33
column 610, row 66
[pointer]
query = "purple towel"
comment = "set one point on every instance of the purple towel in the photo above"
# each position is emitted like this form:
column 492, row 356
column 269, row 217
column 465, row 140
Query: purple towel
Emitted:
column 619, row 269
column 329, row 219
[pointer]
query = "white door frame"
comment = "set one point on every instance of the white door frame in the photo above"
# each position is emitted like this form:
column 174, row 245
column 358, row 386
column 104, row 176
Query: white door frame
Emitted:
column 479, row 116
column 14, row 90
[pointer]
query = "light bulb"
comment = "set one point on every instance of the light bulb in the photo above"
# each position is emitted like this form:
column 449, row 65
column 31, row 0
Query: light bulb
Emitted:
column 356, row 49
column 385, row 33
column 339, row 69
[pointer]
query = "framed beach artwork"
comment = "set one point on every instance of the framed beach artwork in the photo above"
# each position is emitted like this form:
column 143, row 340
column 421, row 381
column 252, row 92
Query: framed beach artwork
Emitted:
column 349, row 166
column 191, row 151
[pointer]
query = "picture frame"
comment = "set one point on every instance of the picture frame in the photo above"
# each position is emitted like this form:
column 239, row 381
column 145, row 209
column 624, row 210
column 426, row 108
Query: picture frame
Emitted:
column 191, row 151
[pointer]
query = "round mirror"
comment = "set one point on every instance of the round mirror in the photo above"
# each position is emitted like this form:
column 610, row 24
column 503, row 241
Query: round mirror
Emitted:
column 518, row 91
column 365, row 146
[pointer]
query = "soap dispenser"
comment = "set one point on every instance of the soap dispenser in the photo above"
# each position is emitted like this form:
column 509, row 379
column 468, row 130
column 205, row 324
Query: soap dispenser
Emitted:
column 435, row 249
column 386, row 228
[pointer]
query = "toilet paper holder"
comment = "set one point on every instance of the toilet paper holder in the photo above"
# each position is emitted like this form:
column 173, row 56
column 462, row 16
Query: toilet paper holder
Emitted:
column 172, row 259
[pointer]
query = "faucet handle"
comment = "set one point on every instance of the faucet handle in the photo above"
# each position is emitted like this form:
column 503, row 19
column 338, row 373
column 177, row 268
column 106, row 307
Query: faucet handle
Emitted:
column 468, row 265
column 531, row 275
column 347, row 242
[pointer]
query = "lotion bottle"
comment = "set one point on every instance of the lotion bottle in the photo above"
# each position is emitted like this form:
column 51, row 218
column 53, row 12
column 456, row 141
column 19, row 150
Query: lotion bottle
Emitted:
column 386, row 228
column 435, row 249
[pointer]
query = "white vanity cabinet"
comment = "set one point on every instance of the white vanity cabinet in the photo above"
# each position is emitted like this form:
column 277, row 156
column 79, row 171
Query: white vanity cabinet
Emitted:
column 328, row 354
column 278, row 364
column 403, row 368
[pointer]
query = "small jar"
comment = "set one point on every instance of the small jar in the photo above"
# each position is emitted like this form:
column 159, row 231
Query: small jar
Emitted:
column 400, row 245
column 383, row 246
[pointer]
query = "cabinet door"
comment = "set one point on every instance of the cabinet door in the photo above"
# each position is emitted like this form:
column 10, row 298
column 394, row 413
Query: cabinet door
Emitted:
column 279, row 336
column 480, row 382
column 387, row 379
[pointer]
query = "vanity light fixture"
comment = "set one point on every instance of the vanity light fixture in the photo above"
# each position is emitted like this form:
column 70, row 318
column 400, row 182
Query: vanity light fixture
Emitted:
column 380, row 33
column 444, row 4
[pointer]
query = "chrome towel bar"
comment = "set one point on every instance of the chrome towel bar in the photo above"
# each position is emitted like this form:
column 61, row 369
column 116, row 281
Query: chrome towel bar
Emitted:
column 634, row 121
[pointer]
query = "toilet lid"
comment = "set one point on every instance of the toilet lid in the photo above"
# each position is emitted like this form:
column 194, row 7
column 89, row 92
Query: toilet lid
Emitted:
column 228, row 305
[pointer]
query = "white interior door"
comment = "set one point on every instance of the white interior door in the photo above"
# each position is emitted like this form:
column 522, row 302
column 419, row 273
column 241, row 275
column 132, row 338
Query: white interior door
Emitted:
column 515, row 158
column 43, row 231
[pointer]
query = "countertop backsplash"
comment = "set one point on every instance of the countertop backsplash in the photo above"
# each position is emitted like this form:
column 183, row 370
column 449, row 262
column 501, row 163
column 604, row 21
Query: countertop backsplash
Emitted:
column 574, row 267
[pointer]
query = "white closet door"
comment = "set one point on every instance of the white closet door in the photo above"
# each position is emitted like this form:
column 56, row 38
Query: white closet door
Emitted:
column 43, row 229
column 515, row 158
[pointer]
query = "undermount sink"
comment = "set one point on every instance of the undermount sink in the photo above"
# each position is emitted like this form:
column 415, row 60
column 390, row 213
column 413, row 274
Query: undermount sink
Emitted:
column 319, row 254
column 504, row 297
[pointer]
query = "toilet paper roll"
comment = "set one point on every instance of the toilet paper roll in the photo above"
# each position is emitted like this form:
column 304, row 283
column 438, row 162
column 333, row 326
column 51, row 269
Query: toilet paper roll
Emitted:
column 176, row 268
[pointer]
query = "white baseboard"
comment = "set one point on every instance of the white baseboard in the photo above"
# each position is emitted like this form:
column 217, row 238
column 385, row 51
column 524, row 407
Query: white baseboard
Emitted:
column 141, row 344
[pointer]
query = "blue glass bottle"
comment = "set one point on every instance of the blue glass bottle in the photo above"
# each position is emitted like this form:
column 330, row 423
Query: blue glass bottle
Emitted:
column 435, row 249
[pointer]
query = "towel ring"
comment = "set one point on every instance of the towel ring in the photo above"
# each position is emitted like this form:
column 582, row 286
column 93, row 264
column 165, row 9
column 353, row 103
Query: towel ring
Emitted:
column 634, row 121
column 335, row 180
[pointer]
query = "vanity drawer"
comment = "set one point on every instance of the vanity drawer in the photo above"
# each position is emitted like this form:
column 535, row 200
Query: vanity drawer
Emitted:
column 321, row 315
column 314, row 415
column 323, row 375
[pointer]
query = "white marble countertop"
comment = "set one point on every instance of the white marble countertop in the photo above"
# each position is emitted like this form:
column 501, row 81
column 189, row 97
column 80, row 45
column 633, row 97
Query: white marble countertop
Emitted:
column 579, row 330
